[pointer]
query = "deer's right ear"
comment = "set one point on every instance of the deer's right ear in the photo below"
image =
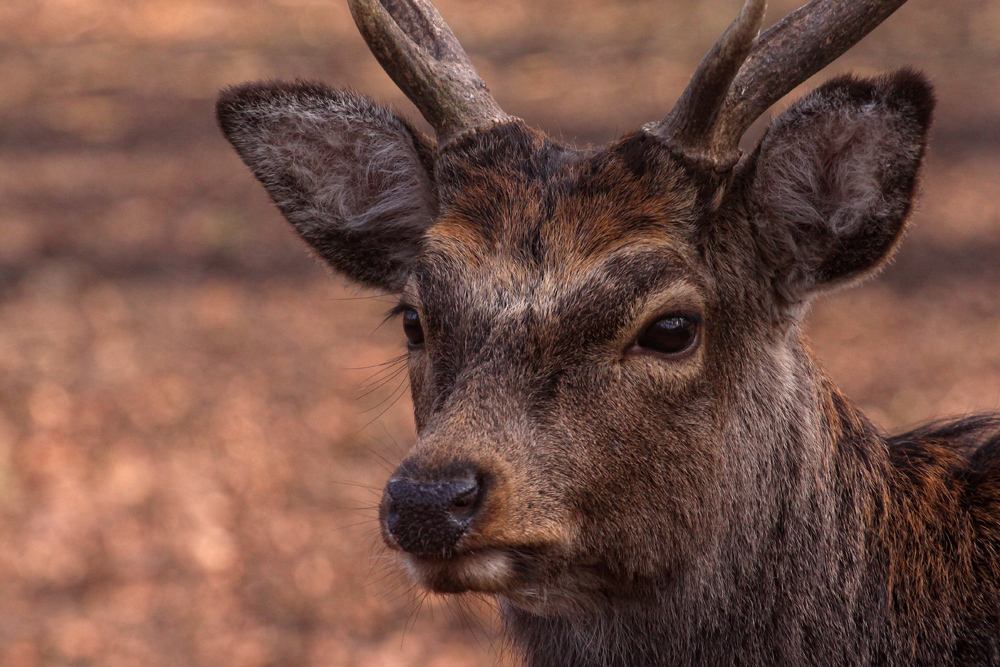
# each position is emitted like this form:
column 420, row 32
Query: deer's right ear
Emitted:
column 353, row 178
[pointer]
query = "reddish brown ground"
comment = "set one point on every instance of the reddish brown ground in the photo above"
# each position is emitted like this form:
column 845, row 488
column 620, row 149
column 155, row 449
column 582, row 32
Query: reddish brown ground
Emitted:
column 188, row 455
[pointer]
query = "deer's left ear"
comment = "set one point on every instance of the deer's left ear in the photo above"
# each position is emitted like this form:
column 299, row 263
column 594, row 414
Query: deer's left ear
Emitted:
column 833, row 181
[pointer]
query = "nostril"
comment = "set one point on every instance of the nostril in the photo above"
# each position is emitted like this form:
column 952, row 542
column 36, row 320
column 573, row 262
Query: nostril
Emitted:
column 464, row 500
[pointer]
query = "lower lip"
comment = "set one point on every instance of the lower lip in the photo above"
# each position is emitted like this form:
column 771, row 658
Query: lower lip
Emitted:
column 488, row 571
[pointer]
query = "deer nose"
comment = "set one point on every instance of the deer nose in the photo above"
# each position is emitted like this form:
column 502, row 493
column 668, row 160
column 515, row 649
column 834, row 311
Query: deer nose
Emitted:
column 428, row 519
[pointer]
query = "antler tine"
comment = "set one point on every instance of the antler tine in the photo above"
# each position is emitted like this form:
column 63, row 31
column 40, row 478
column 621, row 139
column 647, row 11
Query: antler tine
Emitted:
column 690, row 124
column 422, row 56
column 801, row 44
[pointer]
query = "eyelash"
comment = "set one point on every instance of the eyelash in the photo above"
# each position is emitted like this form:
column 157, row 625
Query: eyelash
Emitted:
column 398, row 310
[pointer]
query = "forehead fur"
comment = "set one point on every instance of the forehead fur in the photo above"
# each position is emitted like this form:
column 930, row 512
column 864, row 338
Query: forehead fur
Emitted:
column 518, row 197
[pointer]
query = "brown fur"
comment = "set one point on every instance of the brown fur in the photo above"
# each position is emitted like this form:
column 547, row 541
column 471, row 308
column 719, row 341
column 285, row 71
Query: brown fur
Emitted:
column 724, row 506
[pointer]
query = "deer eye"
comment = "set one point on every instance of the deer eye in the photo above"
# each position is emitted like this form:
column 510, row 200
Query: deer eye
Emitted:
column 411, row 327
column 672, row 335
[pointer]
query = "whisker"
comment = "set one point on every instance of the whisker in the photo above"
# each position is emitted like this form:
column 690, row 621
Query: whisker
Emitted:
column 401, row 391
column 368, row 391
column 383, row 401
column 394, row 360
column 388, row 465
column 353, row 525
column 366, row 487
column 396, row 447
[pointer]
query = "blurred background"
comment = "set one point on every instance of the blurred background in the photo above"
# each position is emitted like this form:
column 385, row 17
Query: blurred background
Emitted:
column 195, row 418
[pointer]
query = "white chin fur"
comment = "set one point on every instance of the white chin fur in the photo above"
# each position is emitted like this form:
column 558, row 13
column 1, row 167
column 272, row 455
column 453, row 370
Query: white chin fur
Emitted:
column 488, row 571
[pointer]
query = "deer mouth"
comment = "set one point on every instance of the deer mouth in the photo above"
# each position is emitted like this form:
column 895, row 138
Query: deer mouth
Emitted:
column 453, row 535
column 488, row 570
column 535, row 580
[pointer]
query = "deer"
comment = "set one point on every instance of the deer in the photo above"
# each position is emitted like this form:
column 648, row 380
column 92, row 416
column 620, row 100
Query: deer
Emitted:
column 622, row 434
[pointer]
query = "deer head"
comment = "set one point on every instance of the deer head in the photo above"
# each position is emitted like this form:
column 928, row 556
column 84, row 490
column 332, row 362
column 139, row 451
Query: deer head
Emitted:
column 608, row 378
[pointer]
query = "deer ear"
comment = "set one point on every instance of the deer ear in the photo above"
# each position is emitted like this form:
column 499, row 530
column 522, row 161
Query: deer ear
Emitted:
column 834, row 178
column 353, row 178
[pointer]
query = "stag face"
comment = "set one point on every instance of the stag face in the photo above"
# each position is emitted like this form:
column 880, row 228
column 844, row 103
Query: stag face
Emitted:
column 602, row 344
column 560, row 318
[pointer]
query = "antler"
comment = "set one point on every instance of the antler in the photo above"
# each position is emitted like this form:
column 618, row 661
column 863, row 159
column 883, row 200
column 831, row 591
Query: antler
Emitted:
column 690, row 125
column 707, row 123
column 803, row 43
column 420, row 53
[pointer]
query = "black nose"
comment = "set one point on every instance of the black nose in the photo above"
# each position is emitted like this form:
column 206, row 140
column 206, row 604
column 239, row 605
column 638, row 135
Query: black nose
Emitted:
column 428, row 519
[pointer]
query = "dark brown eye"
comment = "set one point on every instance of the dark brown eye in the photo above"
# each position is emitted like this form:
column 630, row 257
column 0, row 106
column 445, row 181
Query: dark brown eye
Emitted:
column 671, row 335
column 411, row 327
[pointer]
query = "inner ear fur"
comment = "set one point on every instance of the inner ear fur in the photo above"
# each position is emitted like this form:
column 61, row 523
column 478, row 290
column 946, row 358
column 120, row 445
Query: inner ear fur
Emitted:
column 833, row 180
column 353, row 178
